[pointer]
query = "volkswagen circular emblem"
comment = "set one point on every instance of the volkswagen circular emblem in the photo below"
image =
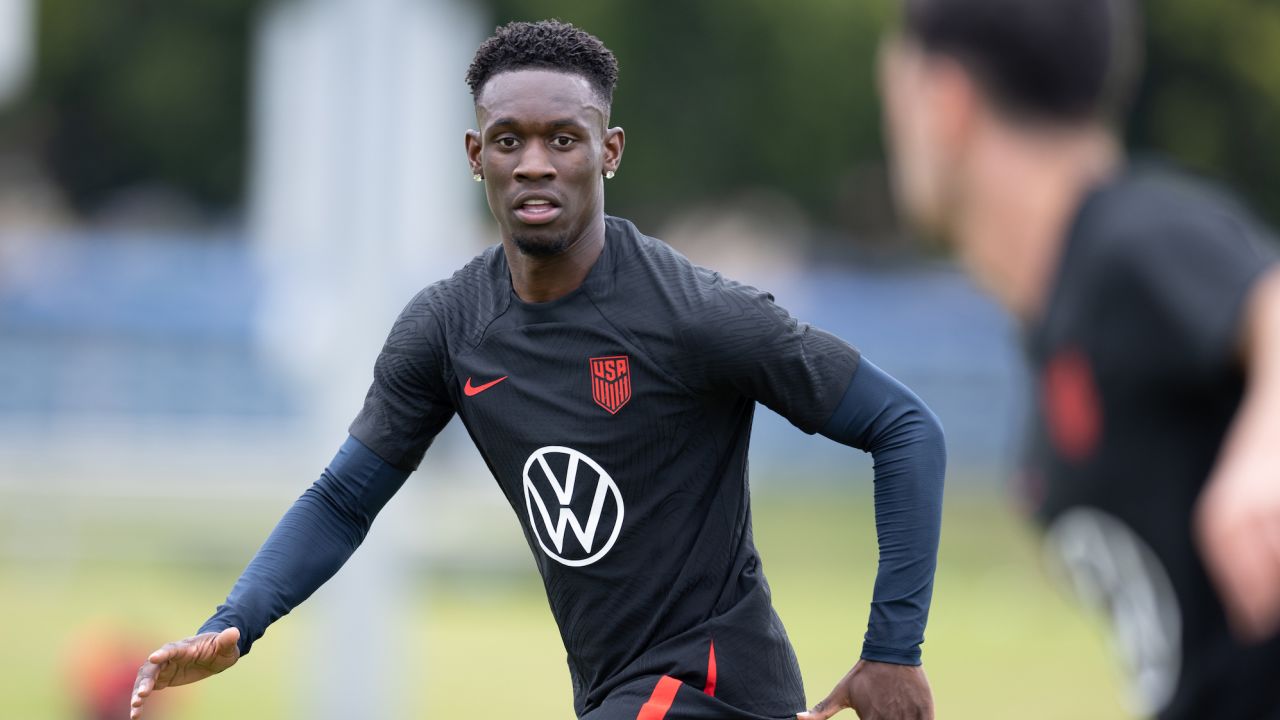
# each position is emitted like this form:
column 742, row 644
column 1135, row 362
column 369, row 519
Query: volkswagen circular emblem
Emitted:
column 551, row 476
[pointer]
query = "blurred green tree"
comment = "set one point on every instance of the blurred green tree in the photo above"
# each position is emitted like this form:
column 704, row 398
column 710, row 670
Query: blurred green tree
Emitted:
column 1211, row 96
column 718, row 97
column 722, row 96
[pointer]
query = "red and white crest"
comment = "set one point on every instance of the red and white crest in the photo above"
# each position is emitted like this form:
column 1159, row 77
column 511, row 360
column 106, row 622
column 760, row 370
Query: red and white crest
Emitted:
column 611, row 382
column 1072, row 406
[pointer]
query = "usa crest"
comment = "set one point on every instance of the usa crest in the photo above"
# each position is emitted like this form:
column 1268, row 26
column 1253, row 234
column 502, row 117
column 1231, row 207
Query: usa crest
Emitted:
column 611, row 382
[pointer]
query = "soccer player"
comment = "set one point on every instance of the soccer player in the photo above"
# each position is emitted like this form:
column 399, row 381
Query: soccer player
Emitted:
column 1151, row 308
column 609, row 385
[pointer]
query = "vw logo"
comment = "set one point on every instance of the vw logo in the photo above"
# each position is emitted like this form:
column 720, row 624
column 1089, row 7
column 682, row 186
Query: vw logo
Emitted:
column 1112, row 568
column 561, row 470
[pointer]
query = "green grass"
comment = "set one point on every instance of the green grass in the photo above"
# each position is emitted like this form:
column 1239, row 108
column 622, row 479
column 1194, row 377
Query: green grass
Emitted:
column 1002, row 643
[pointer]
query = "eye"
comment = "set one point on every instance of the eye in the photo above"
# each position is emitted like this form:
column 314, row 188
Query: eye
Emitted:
column 507, row 142
column 562, row 141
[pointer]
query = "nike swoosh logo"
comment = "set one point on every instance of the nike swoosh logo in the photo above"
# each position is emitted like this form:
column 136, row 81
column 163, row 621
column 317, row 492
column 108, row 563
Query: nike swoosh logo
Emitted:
column 476, row 390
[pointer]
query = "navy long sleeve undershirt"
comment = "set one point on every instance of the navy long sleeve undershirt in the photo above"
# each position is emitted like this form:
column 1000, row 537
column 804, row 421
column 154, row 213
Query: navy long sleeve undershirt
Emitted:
column 877, row 414
column 313, row 539
column 881, row 416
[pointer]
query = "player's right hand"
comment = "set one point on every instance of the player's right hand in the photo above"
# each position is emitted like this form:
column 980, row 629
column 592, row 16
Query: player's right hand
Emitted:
column 878, row 691
column 182, row 662
column 1238, row 524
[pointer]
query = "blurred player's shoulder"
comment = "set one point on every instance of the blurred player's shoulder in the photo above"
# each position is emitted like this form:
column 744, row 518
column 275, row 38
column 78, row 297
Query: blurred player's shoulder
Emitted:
column 1154, row 209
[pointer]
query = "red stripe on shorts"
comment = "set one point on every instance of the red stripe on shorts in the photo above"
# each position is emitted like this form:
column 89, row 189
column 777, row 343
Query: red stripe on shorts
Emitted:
column 660, row 701
column 711, row 671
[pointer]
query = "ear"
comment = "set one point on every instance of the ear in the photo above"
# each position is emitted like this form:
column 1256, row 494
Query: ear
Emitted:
column 614, row 142
column 473, row 146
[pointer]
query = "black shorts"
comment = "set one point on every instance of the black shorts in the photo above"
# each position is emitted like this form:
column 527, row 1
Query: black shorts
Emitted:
column 665, row 697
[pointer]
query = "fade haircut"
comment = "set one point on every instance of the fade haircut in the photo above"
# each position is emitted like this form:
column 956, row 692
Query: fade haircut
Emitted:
column 547, row 45
column 1062, row 61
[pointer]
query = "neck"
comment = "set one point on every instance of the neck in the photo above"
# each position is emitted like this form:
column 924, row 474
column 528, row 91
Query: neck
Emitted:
column 1018, row 205
column 538, row 279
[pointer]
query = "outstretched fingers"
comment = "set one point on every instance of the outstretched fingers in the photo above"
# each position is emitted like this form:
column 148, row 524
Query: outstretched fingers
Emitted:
column 143, row 686
column 184, row 661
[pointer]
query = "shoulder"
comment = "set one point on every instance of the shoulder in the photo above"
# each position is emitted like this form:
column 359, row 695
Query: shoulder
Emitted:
column 1167, row 261
column 1153, row 218
column 650, row 266
column 453, row 309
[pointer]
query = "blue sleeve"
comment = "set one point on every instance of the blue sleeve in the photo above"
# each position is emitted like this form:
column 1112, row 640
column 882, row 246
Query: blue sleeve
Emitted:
column 880, row 415
column 313, row 539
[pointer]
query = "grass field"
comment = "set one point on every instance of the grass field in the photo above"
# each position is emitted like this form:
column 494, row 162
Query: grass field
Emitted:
column 1002, row 643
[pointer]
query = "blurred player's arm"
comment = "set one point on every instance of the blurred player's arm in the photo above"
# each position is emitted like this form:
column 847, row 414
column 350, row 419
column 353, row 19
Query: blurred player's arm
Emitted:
column 881, row 416
column 1210, row 285
column 1238, row 518
column 310, row 543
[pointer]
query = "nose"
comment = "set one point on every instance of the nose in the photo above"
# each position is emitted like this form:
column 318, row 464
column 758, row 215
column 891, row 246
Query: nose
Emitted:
column 535, row 163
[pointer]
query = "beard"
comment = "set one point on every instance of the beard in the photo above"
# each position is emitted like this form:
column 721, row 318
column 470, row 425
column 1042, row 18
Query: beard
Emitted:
column 542, row 246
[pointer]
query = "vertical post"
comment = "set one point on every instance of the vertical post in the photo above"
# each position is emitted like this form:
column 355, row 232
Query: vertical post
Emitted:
column 17, row 46
column 360, row 197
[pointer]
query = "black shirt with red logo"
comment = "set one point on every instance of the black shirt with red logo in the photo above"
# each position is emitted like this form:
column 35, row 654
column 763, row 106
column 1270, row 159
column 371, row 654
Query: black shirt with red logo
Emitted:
column 1138, row 378
column 616, row 420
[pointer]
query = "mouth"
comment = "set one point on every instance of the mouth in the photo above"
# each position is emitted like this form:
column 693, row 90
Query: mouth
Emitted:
column 536, row 210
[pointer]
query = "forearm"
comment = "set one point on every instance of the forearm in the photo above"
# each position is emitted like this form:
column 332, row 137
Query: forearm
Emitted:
column 1240, row 506
column 310, row 543
column 880, row 415
column 306, row 548
column 1257, row 422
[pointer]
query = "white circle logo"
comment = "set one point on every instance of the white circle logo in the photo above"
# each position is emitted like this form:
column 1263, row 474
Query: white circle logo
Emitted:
column 1112, row 568
column 560, row 469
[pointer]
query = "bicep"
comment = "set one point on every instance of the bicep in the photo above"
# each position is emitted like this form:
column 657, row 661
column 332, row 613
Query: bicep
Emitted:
column 878, row 411
column 359, row 482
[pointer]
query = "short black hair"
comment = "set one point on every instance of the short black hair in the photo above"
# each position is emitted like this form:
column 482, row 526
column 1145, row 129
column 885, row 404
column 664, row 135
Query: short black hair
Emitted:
column 1055, row 60
column 546, row 44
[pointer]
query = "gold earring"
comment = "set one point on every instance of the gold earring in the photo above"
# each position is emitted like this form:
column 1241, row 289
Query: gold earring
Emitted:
column 477, row 177
column 609, row 175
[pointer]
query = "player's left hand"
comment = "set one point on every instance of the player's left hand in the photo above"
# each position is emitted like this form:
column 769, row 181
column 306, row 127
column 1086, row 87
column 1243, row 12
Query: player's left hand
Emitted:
column 185, row 661
column 878, row 691
column 1238, row 524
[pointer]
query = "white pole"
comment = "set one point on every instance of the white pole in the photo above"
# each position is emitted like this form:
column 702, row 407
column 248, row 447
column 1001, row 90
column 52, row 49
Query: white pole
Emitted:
column 17, row 46
column 360, row 196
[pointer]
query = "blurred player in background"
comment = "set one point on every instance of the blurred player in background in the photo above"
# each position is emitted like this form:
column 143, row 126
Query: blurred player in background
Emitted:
column 1150, row 303
column 609, row 385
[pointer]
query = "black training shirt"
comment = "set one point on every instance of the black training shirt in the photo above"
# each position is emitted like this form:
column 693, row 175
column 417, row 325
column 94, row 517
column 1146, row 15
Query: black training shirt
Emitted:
column 616, row 421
